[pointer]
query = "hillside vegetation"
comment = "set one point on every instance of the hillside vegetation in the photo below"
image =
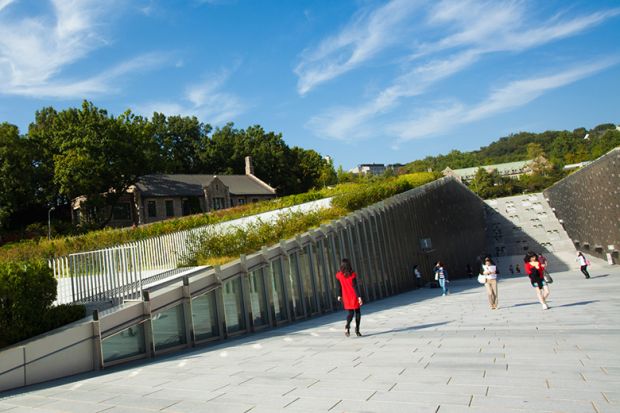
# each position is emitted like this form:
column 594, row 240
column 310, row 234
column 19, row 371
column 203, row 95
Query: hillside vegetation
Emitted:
column 559, row 147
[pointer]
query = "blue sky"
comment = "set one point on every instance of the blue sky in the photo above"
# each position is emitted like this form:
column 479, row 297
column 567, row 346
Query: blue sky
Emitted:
column 362, row 81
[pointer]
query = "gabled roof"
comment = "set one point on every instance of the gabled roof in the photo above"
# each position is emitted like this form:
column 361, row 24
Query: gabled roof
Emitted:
column 192, row 185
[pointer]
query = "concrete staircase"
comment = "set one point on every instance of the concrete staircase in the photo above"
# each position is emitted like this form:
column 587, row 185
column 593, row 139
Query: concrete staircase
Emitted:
column 522, row 223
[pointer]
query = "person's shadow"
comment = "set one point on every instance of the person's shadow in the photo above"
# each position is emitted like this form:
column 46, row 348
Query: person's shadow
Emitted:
column 577, row 303
column 410, row 328
column 524, row 304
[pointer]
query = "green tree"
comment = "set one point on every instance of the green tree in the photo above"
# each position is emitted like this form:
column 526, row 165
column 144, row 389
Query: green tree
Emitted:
column 92, row 154
column 16, row 174
column 181, row 143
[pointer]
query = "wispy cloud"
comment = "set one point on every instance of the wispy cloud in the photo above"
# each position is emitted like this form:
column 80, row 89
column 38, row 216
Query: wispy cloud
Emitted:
column 4, row 3
column 513, row 95
column 363, row 38
column 35, row 51
column 105, row 82
column 206, row 100
column 469, row 31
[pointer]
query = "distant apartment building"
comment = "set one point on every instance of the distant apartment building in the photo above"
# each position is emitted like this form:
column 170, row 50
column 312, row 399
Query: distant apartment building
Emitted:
column 369, row 169
column 375, row 168
column 157, row 197
column 509, row 169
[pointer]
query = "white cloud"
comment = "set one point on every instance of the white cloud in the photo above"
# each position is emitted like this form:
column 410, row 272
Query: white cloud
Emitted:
column 470, row 30
column 206, row 100
column 35, row 51
column 362, row 39
column 5, row 3
column 104, row 83
column 513, row 95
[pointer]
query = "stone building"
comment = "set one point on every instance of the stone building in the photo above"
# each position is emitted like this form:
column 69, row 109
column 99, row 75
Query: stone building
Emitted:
column 157, row 197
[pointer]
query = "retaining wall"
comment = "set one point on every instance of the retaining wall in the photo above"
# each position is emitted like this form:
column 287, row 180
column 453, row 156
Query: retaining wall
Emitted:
column 587, row 203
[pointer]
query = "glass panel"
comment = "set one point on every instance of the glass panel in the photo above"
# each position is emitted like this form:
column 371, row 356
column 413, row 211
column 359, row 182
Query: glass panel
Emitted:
column 204, row 316
column 152, row 209
column 126, row 343
column 308, row 280
column 169, row 328
column 233, row 305
column 258, row 301
column 169, row 208
column 277, row 290
column 295, row 284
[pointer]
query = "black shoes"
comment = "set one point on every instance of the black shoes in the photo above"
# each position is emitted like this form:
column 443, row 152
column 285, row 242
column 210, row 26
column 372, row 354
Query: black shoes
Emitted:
column 358, row 333
column 346, row 332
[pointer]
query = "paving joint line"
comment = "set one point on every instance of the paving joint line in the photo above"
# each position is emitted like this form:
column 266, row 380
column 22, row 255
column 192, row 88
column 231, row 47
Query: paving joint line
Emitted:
column 338, row 402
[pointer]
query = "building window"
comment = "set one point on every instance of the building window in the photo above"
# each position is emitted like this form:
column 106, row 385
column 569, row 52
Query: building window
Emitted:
column 254, row 199
column 218, row 203
column 151, row 209
column 191, row 206
column 169, row 208
column 121, row 211
column 240, row 201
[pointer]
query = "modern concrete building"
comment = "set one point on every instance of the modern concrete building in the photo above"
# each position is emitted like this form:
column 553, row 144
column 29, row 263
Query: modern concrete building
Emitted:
column 369, row 169
column 158, row 197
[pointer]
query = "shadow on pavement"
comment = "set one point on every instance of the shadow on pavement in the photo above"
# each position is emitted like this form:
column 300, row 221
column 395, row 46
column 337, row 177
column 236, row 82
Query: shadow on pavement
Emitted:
column 410, row 328
column 577, row 303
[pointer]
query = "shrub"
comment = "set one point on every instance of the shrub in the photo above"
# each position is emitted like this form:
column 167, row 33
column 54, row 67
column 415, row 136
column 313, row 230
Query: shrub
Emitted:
column 27, row 291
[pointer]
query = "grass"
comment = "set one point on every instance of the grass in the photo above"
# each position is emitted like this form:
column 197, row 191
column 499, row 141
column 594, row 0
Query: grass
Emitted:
column 347, row 197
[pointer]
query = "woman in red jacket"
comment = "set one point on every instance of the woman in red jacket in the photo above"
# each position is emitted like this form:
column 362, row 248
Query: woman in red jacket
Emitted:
column 349, row 294
column 536, row 271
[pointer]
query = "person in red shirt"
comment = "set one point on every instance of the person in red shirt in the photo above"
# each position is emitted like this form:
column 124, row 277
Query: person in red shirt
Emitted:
column 535, row 271
column 349, row 294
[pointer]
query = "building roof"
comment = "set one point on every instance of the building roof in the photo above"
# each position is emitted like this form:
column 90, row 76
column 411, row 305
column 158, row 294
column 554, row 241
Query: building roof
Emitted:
column 508, row 167
column 192, row 185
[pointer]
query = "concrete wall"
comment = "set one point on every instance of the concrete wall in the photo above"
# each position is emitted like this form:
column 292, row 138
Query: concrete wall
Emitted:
column 587, row 203
column 382, row 241
column 522, row 223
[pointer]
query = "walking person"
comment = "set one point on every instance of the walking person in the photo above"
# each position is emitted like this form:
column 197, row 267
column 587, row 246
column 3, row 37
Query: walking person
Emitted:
column 418, row 276
column 489, row 270
column 441, row 275
column 535, row 272
column 583, row 264
column 349, row 294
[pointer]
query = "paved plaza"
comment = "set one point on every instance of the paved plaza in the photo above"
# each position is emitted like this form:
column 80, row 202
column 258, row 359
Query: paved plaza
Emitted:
column 420, row 353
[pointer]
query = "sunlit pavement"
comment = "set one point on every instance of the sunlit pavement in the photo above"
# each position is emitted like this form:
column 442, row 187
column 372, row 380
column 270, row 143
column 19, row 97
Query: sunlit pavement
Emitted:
column 420, row 353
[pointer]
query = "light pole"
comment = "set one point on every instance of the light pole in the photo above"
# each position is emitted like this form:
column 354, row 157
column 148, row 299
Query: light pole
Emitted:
column 49, row 222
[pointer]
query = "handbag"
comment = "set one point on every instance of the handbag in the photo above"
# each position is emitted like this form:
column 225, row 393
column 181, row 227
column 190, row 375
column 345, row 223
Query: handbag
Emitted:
column 482, row 279
column 436, row 276
column 548, row 278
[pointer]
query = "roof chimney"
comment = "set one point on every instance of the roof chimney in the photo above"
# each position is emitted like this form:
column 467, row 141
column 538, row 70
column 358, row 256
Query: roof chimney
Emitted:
column 249, row 169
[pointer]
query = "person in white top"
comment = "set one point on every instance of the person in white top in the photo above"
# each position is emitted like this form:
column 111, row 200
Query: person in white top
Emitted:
column 583, row 264
column 418, row 276
column 489, row 269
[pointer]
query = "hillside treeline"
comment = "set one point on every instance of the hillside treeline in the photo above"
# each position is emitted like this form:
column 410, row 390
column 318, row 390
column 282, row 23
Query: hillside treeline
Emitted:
column 559, row 147
column 86, row 151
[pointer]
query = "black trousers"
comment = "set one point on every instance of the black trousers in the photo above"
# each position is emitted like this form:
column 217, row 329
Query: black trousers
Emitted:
column 358, row 319
column 584, row 270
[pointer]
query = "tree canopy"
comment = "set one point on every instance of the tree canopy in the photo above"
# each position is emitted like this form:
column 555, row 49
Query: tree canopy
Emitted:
column 86, row 151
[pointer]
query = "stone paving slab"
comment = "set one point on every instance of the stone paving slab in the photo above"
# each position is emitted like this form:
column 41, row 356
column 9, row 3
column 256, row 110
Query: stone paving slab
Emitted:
column 420, row 353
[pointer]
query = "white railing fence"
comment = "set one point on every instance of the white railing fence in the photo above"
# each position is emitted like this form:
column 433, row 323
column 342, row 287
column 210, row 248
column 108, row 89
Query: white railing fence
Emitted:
column 117, row 273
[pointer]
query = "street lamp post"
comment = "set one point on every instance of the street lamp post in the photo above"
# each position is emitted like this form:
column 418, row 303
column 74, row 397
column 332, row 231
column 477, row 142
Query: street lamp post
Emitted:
column 49, row 222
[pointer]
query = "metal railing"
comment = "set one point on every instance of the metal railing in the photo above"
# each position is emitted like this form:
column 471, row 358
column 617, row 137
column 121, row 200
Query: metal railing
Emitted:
column 117, row 272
